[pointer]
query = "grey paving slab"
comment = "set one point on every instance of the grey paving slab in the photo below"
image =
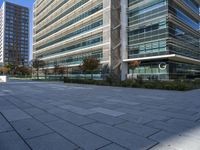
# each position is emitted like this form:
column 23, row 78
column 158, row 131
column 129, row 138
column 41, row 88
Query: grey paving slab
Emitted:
column 193, row 132
column 163, row 147
column 45, row 117
column 170, row 114
column 137, row 129
column 141, row 113
column 74, row 118
column 107, row 111
column 11, row 141
column 51, row 142
column 120, row 101
column 77, row 110
column 23, row 105
column 196, row 117
column 15, row 114
column 102, row 110
column 167, row 127
column 29, row 128
column 4, row 125
column 176, row 141
column 181, row 111
column 125, row 139
column 56, row 111
column 113, row 147
column 184, row 123
column 33, row 111
column 106, row 119
column 136, row 118
column 5, row 105
column 79, row 136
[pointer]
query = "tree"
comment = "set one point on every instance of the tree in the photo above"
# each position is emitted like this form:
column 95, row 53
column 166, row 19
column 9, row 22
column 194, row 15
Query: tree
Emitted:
column 56, row 68
column 61, row 71
column 10, row 67
column 37, row 64
column 4, row 70
column 90, row 64
column 45, row 71
column 22, row 70
column 134, row 64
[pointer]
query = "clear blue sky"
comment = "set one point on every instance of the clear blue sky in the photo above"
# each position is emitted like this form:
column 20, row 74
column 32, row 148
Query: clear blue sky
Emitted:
column 29, row 4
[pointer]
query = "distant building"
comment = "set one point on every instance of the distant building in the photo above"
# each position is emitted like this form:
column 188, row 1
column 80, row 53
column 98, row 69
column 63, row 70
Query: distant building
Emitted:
column 163, row 34
column 14, row 34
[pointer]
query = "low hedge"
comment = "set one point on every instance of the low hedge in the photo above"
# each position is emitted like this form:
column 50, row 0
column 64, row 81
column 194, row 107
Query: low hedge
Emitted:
column 165, row 85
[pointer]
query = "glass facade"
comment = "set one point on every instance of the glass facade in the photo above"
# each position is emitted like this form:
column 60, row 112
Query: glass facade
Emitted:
column 67, row 32
column 147, row 29
column 77, row 59
column 82, row 30
column 157, row 32
column 90, row 41
column 160, row 28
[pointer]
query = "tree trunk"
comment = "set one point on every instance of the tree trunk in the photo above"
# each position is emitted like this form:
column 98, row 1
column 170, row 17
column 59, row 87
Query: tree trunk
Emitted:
column 133, row 73
column 92, row 75
column 38, row 73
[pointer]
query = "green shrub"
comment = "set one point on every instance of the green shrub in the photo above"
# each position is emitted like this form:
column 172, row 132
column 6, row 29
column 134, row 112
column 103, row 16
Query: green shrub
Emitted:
column 149, row 85
column 167, row 85
column 127, row 83
column 109, row 80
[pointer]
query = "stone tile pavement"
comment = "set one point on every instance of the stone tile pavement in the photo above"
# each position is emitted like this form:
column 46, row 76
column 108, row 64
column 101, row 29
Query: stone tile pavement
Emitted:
column 58, row 116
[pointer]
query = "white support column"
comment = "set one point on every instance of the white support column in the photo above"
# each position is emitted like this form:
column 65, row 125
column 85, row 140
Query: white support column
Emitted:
column 124, row 39
column 2, row 28
column 107, row 31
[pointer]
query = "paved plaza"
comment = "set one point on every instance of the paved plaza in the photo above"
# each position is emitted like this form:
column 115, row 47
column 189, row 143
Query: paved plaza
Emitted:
column 58, row 116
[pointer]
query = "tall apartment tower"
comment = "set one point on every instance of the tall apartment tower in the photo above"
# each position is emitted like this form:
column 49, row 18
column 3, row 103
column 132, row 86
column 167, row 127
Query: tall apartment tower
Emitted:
column 164, row 35
column 14, row 34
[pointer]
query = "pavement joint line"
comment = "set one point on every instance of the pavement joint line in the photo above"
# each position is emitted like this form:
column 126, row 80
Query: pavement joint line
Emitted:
column 168, row 119
column 194, row 113
column 78, row 148
column 111, row 144
column 39, row 136
column 197, row 120
column 17, row 132
column 6, row 131
column 114, row 125
column 153, row 145
column 88, row 123
column 145, row 124
column 148, row 137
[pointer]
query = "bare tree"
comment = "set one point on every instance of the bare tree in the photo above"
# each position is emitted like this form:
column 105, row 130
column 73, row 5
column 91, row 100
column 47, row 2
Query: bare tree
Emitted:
column 4, row 70
column 133, row 65
column 38, row 64
column 90, row 64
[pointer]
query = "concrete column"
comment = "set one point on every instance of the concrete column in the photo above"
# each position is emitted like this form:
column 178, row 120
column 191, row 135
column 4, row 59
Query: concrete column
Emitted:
column 124, row 39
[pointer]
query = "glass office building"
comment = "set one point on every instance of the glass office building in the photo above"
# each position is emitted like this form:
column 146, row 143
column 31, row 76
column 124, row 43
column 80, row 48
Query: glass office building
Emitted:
column 14, row 34
column 68, row 31
column 162, row 34
column 165, row 36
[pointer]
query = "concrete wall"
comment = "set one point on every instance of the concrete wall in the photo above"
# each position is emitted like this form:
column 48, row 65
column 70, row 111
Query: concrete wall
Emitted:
column 3, row 78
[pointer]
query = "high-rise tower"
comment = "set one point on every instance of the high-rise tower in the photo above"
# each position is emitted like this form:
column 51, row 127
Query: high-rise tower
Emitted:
column 14, row 34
